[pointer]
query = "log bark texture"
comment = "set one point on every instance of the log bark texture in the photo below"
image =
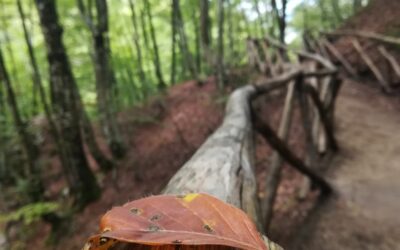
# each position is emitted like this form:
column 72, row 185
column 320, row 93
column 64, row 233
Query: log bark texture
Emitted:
column 223, row 165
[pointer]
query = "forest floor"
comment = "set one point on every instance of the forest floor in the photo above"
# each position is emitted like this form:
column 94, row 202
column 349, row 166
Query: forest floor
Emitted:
column 164, row 133
column 364, row 214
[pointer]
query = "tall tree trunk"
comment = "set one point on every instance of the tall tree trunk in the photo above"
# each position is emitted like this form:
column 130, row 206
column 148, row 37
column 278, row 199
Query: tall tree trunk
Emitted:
column 104, row 73
column 220, row 49
column 156, row 59
column 205, row 23
column 230, row 29
column 196, row 38
column 32, row 173
column 188, row 57
column 205, row 32
column 7, row 42
column 136, row 41
column 280, row 15
column 174, row 34
column 81, row 180
column 37, row 81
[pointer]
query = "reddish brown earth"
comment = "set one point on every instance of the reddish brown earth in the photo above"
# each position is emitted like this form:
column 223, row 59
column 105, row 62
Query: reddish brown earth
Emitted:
column 163, row 134
column 382, row 17
column 166, row 131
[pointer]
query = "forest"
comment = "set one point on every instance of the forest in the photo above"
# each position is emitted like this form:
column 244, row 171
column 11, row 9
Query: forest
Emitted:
column 84, row 83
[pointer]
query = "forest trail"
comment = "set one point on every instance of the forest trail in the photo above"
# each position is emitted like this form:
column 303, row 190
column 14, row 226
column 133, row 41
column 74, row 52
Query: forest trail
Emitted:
column 366, row 172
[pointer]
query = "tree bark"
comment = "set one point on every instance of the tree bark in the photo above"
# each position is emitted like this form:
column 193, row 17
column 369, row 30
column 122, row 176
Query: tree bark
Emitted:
column 230, row 31
column 197, row 38
column 187, row 55
column 223, row 165
column 32, row 173
column 136, row 41
column 220, row 50
column 104, row 74
column 156, row 58
column 174, row 34
column 80, row 179
column 205, row 24
column 280, row 16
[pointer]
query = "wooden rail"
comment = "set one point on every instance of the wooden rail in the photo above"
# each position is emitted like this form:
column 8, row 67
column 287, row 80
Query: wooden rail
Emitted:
column 376, row 41
column 224, row 165
column 315, row 91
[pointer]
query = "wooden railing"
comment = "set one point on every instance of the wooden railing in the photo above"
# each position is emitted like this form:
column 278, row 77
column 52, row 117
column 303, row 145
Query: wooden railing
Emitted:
column 224, row 165
column 313, row 81
column 356, row 38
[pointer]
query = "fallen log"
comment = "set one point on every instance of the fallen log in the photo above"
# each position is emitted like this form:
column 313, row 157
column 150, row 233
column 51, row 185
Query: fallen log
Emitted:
column 223, row 165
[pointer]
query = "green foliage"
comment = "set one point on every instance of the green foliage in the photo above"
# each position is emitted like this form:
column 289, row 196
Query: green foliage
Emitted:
column 320, row 15
column 30, row 213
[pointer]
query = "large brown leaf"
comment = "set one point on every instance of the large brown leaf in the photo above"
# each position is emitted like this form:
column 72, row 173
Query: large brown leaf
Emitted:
column 194, row 221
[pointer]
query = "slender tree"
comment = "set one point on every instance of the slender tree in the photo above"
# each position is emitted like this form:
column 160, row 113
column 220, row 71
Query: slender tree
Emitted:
column 136, row 41
column 197, row 38
column 205, row 31
column 80, row 178
column 173, row 42
column 205, row 23
column 104, row 73
column 187, row 56
column 230, row 29
column 156, row 56
column 220, row 45
column 32, row 173
column 7, row 42
column 104, row 163
column 280, row 16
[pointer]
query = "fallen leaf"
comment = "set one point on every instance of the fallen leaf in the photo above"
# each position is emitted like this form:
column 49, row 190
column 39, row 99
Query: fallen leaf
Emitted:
column 193, row 221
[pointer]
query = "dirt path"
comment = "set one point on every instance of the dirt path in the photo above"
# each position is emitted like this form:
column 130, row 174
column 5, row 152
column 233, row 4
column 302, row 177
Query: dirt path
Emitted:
column 366, row 212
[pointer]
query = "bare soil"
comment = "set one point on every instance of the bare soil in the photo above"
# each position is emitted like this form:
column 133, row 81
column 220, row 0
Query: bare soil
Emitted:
column 162, row 135
column 364, row 213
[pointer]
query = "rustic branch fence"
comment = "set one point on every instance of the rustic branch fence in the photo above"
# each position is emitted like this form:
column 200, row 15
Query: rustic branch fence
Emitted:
column 224, row 165
column 379, row 42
